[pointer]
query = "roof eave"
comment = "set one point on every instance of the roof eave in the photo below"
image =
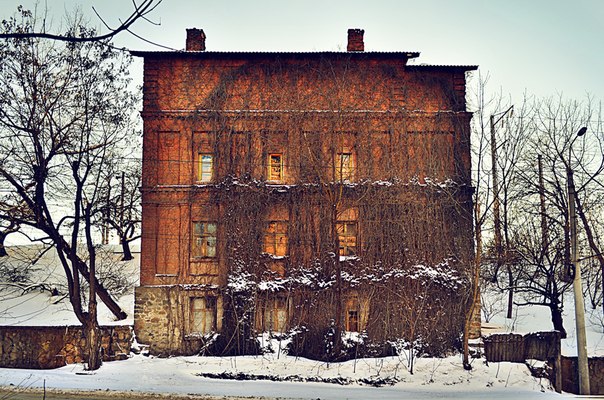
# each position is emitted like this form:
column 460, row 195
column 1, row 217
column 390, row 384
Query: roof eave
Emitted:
column 209, row 54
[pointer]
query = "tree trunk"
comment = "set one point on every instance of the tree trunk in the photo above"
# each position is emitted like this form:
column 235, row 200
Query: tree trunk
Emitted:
column 338, row 271
column 3, row 252
column 557, row 320
column 510, row 292
column 474, row 286
column 126, row 250
column 101, row 291
column 93, row 344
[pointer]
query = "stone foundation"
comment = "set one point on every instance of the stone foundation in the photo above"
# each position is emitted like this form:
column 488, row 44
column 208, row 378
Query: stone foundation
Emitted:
column 162, row 318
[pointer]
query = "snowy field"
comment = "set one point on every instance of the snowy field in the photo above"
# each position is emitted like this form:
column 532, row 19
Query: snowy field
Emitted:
column 281, row 376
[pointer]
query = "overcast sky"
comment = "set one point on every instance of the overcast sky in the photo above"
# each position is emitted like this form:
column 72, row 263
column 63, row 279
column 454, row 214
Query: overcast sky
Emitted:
column 543, row 47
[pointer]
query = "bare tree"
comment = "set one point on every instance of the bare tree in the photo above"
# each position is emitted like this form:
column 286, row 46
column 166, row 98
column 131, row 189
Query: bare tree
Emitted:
column 6, row 228
column 63, row 106
column 141, row 12
column 120, row 203
column 540, row 223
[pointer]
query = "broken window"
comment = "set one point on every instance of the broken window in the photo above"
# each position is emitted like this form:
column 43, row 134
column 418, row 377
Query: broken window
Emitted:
column 205, row 167
column 344, row 167
column 203, row 314
column 347, row 236
column 275, row 238
column 275, row 167
column 204, row 239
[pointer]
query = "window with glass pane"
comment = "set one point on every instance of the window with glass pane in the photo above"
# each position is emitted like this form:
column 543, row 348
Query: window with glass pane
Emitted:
column 203, row 314
column 275, row 315
column 205, row 167
column 275, row 167
column 345, row 167
column 275, row 238
column 204, row 239
column 347, row 236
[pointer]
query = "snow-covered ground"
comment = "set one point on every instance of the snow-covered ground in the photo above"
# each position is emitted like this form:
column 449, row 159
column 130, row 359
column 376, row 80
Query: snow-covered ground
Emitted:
column 284, row 376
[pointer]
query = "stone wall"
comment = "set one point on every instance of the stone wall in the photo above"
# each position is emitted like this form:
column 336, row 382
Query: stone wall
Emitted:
column 162, row 318
column 44, row 347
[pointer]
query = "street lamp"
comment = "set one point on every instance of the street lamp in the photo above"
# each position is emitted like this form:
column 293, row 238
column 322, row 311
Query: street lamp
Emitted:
column 582, row 358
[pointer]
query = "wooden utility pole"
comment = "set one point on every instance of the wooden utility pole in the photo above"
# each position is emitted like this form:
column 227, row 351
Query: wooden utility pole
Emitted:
column 122, row 201
column 544, row 233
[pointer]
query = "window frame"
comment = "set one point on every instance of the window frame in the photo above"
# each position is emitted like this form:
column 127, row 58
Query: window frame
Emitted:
column 203, row 235
column 209, row 309
column 269, row 175
column 342, row 231
column 200, row 167
column 345, row 172
column 274, row 235
column 276, row 314
column 352, row 318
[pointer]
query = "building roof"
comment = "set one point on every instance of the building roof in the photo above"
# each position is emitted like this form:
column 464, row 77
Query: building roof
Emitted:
column 441, row 67
column 405, row 55
column 228, row 54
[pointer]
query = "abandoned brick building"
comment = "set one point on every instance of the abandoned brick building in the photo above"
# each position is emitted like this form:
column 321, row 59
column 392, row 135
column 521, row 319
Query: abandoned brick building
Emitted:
column 302, row 192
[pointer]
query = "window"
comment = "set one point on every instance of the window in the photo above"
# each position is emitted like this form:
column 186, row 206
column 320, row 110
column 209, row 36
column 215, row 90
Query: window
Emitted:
column 352, row 321
column 347, row 236
column 204, row 239
column 275, row 167
column 203, row 315
column 205, row 167
column 344, row 167
column 275, row 238
column 275, row 315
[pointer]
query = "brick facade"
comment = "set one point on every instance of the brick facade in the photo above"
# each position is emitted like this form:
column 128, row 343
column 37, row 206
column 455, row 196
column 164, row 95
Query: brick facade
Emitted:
column 261, row 165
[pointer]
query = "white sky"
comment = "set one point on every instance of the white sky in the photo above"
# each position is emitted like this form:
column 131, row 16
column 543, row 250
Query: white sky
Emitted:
column 543, row 47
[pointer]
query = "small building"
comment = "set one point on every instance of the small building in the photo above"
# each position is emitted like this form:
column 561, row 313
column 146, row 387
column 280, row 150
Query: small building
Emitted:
column 308, row 193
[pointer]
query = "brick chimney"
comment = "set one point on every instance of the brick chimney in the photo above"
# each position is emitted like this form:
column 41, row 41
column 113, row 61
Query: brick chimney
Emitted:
column 355, row 40
column 196, row 40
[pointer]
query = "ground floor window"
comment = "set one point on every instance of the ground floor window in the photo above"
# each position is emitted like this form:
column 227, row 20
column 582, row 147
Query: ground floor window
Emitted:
column 203, row 314
column 352, row 321
column 275, row 315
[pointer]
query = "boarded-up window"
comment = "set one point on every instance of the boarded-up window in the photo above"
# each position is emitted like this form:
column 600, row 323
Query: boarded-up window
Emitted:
column 275, row 315
column 204, row 239
column 347, row 236
column 275, row 167
column 275, row 238
column 205, row 167
column 169, row 158
column 168, row 243
column 203, row 314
